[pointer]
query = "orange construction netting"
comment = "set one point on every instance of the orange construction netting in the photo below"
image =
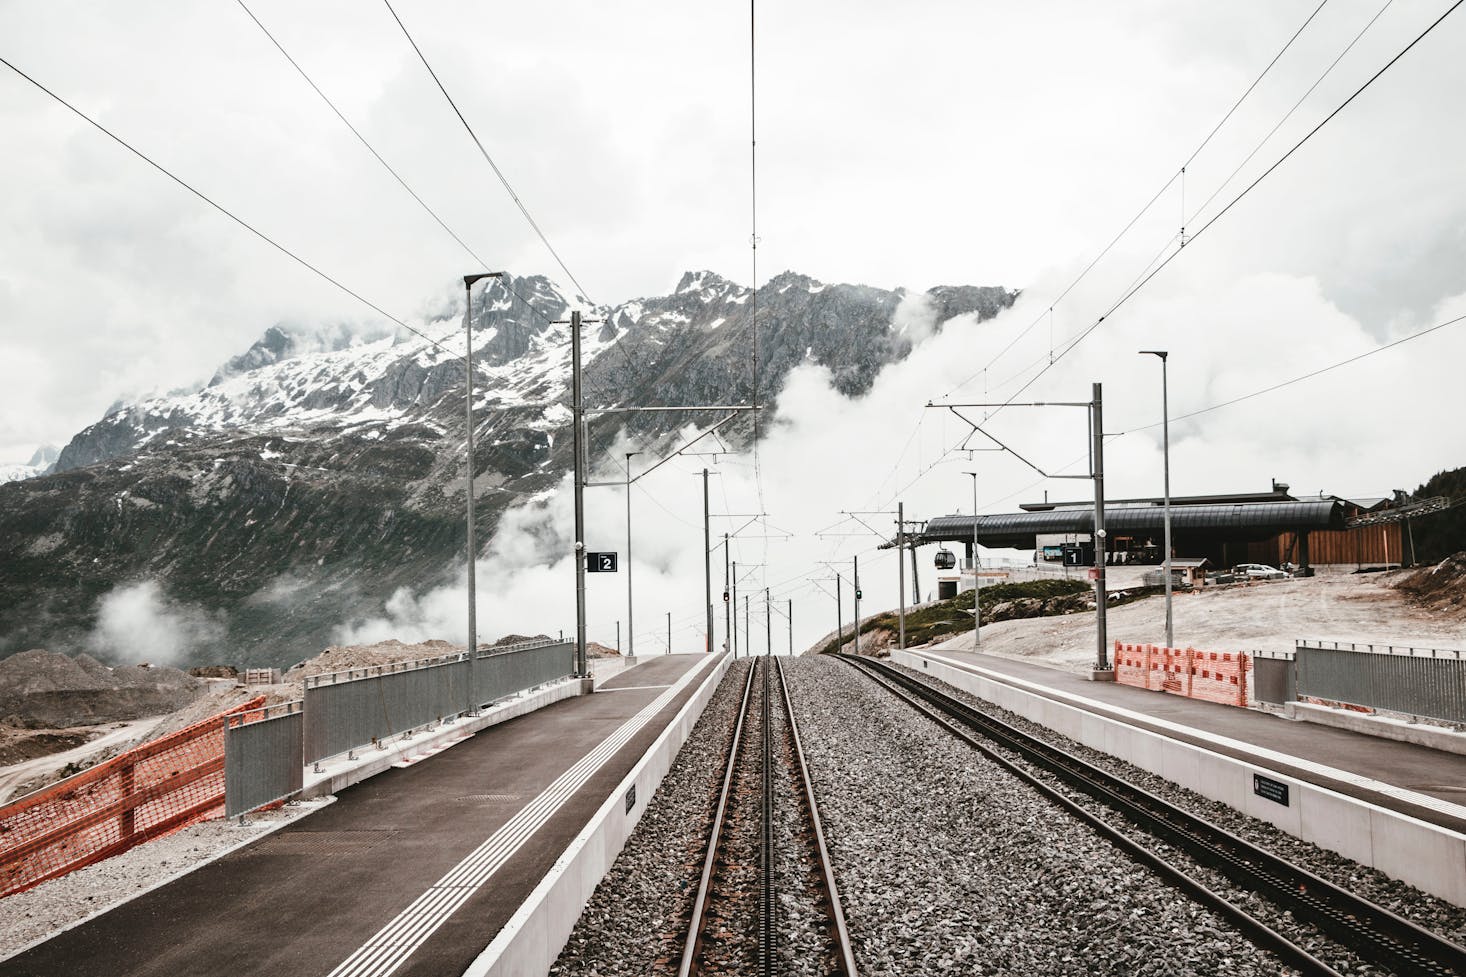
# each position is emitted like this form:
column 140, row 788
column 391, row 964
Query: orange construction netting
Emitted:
column 1209, row 675
column 145, row 793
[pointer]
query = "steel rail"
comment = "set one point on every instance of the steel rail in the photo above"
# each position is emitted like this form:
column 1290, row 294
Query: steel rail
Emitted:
column 1372, row 931
column 768, row 933
column 844, row 952
column 693, row 945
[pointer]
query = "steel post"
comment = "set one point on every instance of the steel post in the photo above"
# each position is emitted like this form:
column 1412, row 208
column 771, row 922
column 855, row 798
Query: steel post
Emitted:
column 707, row 561
column 578, row 420
column 900, row 570
column 1102, row 668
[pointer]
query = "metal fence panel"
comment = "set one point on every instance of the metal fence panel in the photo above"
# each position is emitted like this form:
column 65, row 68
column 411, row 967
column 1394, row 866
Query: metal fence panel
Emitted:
column 1423, row 682
column 503, row 673
column 345, row 710
column 1273, row 678
column 262, row 759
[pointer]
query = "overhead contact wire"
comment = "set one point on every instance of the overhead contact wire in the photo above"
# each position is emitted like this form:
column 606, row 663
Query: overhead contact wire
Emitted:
column 1179, row 175
column 221, row 209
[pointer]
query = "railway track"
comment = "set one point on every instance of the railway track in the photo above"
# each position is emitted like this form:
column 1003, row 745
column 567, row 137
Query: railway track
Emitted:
column 1373, row 933
column 764, row 749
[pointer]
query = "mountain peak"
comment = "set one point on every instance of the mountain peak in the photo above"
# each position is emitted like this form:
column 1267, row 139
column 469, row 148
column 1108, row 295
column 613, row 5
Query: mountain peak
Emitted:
column 693, row 281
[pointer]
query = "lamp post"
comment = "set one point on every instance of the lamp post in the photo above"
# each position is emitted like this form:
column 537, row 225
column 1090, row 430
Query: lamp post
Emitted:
column 1166, row 503
column 976, row 580
column 468, row 282
column 630, row 626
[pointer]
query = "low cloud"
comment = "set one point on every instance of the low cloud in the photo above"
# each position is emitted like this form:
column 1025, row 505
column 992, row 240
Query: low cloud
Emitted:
column 915, row 317
column 139, row 623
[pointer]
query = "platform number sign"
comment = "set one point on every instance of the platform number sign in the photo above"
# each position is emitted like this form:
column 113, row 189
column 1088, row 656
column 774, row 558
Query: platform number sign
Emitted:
column 600, row 562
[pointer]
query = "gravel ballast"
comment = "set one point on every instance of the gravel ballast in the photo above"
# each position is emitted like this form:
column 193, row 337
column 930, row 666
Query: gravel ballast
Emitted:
column 948, row 865
column 635, row 920
column 1405, row 900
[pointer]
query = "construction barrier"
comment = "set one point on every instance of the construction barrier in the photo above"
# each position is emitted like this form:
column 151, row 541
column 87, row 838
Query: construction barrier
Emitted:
column 145, row 793
column 1207, row 675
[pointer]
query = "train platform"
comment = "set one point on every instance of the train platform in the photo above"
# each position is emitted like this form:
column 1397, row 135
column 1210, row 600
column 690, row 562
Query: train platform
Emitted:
column 1413, row 780
column 413, row 872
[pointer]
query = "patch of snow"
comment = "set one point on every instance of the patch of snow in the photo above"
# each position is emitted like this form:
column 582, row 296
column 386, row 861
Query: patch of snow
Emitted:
column 715, row 324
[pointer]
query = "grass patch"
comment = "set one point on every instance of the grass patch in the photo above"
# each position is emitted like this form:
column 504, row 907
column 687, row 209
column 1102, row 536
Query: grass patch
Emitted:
column 954, row 616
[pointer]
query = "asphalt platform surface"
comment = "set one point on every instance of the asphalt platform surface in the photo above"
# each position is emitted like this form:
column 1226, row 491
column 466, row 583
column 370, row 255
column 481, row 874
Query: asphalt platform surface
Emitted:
column 303, row 899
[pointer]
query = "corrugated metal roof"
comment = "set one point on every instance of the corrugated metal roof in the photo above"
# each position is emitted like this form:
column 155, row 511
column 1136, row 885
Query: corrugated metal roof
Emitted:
column 1240, row 521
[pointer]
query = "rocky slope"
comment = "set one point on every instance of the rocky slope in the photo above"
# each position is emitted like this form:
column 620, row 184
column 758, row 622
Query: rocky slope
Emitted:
column 314, row 475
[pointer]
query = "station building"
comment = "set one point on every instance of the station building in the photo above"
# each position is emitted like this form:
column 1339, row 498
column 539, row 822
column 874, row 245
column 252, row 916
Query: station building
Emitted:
column 1274, row 528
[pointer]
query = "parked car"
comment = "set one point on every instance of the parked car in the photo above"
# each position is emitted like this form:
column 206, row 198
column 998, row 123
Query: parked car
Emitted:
column 1258, row 571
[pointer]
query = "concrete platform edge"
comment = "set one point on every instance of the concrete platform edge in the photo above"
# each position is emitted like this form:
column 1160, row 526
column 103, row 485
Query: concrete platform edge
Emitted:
column 533, row 938
column 1384, row 727
column 339, row 774
column 1431, row 858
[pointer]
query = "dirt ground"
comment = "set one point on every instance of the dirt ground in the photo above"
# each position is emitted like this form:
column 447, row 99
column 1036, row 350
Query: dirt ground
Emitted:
column 39, row 757
column 1261, row 616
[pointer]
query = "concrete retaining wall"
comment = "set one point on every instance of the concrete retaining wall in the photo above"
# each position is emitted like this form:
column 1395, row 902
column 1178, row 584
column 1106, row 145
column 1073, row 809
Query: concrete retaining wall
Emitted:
column 1428, row 857
column 532, row 939
column 1372, row 724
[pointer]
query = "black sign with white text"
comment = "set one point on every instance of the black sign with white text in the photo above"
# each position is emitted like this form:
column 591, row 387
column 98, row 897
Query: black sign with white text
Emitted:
column 600, row 562
column 1274, row 790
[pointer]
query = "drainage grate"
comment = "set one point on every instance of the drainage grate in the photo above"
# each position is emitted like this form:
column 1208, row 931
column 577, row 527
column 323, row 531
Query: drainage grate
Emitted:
column 321, row 842
column 480, row 798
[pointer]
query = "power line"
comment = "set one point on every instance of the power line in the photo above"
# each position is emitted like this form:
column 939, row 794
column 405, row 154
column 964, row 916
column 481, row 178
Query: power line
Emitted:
column 1289, row 114
column 360, row 138
column 220, row 208
column 1235, row 200
column 1179, row 175
column 1315, row 373
column 1250, row 87
column 580, row 289
column 487, row 158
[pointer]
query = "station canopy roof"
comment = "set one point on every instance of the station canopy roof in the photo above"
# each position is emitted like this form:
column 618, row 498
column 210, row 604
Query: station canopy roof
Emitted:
column 1239, row 522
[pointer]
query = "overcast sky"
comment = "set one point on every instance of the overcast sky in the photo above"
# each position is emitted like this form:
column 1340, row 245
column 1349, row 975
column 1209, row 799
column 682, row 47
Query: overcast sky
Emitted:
column 956, row 143
column 899, row 145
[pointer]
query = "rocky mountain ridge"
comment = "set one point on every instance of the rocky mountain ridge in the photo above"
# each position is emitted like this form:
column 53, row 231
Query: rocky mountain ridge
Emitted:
column 317, row 473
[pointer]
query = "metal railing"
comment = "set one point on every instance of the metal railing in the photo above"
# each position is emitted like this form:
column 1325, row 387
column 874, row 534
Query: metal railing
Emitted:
column 361, row 706
column 1274, row 677
column 262, row 757
column 1425, row 682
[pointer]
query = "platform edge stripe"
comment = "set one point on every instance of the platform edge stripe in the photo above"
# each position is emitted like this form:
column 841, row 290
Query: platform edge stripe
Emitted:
column 1312, row 766
column 489, row 961
column 383, row 946
column 529, row 817
column 369, row 961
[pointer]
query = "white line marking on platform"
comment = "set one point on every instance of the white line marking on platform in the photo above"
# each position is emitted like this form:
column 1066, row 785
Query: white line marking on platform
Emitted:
column 634, row 688
column 400, row 938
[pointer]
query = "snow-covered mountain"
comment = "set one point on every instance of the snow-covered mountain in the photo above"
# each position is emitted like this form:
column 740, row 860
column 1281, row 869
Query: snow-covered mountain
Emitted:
column 41, row 463
column 318, row 472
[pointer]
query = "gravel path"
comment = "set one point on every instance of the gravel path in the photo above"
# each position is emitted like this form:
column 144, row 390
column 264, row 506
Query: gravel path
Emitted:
column 948, row 865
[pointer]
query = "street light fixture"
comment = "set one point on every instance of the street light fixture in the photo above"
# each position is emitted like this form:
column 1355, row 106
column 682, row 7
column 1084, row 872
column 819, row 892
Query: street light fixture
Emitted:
column 1166, row 503
column 468, row 283
column 630, row 626
column 976, row 580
